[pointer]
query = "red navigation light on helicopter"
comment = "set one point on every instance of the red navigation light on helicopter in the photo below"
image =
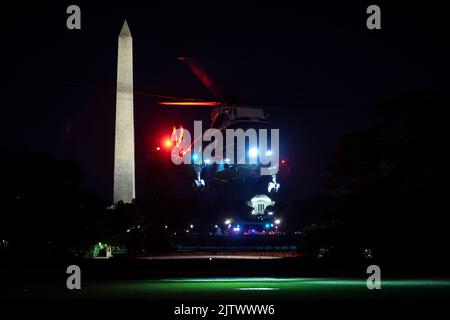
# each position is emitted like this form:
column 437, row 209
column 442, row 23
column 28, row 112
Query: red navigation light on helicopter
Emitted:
column 167, row 143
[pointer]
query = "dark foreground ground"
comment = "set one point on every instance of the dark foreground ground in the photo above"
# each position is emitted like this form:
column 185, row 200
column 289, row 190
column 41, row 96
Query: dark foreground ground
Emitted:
column 290, row 284
column 240, row 288
column 220, row 278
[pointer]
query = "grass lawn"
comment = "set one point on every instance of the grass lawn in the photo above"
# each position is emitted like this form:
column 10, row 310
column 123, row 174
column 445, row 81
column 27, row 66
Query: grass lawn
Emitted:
column 304, row 289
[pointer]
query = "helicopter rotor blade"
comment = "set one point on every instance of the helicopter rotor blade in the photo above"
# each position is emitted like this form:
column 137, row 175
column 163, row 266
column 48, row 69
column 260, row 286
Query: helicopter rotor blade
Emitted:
column 202, row 75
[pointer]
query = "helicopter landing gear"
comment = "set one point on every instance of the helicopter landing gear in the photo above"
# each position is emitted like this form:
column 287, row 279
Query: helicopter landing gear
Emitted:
column 273, row 185
column 199, row 183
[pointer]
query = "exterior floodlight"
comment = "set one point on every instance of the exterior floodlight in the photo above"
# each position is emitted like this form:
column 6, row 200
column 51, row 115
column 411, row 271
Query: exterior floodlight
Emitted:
column 228, row 221
column 277, row 221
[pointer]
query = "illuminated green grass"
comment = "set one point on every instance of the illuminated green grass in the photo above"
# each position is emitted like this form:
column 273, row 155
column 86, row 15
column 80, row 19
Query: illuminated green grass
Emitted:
column 264, row 288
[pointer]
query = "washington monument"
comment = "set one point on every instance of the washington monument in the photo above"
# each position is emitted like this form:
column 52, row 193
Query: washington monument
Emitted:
column 124, row 180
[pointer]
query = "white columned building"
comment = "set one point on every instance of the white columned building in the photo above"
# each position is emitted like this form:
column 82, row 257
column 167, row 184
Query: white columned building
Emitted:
column 259, row 203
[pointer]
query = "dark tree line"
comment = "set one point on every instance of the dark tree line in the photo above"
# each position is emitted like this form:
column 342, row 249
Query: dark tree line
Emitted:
column 47, row 210
column 388, row 185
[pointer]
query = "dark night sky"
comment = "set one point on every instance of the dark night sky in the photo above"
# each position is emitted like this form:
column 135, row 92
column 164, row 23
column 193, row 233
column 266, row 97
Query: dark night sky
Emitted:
column 319, row 66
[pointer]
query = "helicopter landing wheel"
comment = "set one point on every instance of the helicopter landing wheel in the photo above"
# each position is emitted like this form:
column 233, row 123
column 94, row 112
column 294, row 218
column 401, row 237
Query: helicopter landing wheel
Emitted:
column 199, row 185
column 273, row 186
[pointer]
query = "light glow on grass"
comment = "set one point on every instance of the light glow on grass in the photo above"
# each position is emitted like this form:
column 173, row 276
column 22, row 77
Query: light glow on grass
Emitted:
column 217, row 288
column 238, row 279
column 258, row 289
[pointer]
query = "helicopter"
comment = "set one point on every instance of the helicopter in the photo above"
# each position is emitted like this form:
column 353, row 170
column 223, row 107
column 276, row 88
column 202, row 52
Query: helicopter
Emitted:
column 227, row 115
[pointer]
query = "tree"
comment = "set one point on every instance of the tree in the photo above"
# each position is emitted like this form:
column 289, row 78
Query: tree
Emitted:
column 394, row 175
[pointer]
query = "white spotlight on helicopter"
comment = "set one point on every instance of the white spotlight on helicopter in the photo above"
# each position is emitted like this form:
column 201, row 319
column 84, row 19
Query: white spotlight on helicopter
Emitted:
column 253, row 152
